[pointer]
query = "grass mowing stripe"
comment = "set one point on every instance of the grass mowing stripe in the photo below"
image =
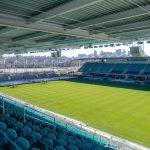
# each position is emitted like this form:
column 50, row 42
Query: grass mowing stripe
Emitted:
column 122, row 110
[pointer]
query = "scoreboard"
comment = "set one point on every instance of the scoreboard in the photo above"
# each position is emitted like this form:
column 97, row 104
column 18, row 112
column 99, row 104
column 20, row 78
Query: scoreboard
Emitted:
column 137, row 51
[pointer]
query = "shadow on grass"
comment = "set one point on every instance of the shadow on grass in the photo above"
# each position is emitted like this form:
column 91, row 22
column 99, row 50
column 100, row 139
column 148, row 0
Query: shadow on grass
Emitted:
column 110, row 84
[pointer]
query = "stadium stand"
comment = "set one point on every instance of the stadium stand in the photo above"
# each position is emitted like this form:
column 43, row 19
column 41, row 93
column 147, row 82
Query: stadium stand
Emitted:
column 135, row 68
column 121, row 68
column 35, row 132
column 146, row 70
column 125, row 71
column 26, row 76
column 97, row 68
column 118, row 68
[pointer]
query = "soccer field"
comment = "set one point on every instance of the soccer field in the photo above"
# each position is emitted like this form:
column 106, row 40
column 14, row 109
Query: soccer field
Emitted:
column 120, row 109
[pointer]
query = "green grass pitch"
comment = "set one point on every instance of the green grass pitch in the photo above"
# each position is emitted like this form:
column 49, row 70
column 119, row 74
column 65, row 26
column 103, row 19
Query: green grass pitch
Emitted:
column 120, row 109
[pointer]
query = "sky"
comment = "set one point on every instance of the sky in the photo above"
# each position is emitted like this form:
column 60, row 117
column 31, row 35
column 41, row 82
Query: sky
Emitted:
column 105, row 49
column 91, row 51
column 75, row 52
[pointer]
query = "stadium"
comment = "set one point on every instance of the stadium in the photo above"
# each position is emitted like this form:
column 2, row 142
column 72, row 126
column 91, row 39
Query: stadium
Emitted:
column 74, row 75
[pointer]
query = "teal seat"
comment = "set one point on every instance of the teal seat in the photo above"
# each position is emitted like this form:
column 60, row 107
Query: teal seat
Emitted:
column 6, row 115
column 27, row 129
column 70, row 141
column 21, row 132
column 62, row 142
column 48, row 142
column 3, row 141
column 3, row 138
column 13, row 120
column 72, row 147
column 44, row 131
column 19, row 124
column 36, row 127
column 3, row 126
column 11, row 133
column 37, row 135
column 42, row 145
column 62, row 137
column 31, row 139
column 28, row 123
column 52, row 136
column 23, row 143
column 59, row 148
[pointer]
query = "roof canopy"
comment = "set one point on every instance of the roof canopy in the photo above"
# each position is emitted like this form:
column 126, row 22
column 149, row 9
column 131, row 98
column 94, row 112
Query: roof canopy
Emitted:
column 46, row 24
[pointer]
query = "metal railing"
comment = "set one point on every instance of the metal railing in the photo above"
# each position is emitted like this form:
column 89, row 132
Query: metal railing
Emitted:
column 113, row 141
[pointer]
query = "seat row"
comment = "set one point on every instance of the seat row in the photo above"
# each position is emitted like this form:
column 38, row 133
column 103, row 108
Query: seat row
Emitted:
column 32, row 134
column 117, row 68
column 25, row 76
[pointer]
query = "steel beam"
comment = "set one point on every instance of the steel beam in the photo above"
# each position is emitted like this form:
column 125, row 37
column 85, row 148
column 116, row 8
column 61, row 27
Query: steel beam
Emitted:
column 136, row 34
column 126, row 27
column 114, row 17
column 28, row 36
column 54, row 28
column 67, row 7
column 5, row 30
column 51, row 39
column 133, row 32
column 5, row 40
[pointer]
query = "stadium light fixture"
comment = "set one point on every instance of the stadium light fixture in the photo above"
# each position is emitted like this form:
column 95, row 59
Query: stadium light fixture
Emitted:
column 139, row 42
column 105, row 45
column 112, row 45
column 118, row 44
column 100, row 46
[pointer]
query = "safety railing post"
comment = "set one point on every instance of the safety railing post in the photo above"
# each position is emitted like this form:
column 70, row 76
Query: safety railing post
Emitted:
column 24, row 115
column 3, row 105
column 100, row 139
column 54, row 119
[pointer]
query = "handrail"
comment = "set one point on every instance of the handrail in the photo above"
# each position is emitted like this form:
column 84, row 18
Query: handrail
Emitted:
column 119, row 142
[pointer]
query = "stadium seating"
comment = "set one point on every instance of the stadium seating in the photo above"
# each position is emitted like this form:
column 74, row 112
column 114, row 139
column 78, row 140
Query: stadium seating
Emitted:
column 26, row 76
column 135, row 68
column 14, row 77
column 115, row 68
column 106, row 68
column 98, row 68
column 85, row 68
column 146, row 69
column 119, row 68
column 3, row 77
column 32, row 134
